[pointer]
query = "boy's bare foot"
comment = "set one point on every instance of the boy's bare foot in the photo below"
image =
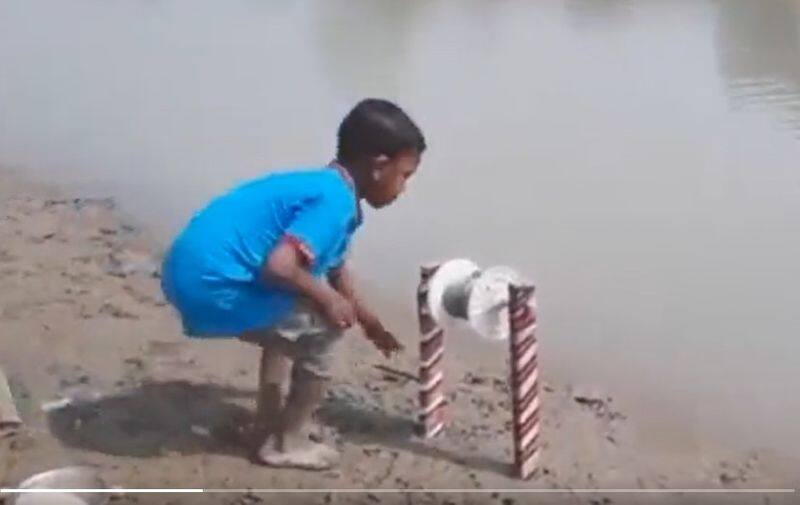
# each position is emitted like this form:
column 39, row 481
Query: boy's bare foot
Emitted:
column 315, row 431
column 307, row 456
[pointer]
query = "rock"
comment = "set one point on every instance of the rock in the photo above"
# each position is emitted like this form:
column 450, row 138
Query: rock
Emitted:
column 104, row 203
column 55, row 405
column 200, row 431
column 248, row 498
column 123, row 262
column 136, row 363
column 372, row 451
column 116, row 312
column 49, row 499
column 73, row 396
column 6, row 257
column 9, row 416
column 599, row 405
column 76, row 477
column 474, row 380
column 594, row 403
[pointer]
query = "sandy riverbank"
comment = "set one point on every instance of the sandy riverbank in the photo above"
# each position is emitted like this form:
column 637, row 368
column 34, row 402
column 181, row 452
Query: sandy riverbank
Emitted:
column 81, row 315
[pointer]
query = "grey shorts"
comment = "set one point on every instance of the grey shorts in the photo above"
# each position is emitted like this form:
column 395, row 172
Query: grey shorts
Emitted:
column 305, row 337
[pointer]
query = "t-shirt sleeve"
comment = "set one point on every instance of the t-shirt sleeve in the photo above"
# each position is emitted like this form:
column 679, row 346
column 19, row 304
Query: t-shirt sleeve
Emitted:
column 318, row 227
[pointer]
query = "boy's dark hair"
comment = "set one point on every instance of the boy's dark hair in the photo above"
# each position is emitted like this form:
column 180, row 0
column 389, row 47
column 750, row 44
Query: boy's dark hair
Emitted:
column 376, row 127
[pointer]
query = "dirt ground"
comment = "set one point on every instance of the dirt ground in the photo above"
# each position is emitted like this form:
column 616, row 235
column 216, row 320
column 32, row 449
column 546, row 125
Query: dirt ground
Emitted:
column 101, row 375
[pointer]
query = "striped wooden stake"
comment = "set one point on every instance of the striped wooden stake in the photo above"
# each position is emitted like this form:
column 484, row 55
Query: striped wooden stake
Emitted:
column 524, row 380
column 431, row 351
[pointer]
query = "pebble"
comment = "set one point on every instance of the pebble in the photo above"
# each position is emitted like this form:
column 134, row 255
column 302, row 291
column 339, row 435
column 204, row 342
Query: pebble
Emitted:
column 474, row 380
column 200, row 430
column 134, row 362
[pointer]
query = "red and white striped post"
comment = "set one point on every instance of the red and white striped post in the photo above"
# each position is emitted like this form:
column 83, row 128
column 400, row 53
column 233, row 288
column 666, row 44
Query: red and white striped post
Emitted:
column 524, row 380
column 431, row 371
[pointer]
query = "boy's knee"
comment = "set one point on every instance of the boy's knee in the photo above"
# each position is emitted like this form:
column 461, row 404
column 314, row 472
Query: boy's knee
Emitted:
column 316, row 353
column 311, row 368
column 275, row 366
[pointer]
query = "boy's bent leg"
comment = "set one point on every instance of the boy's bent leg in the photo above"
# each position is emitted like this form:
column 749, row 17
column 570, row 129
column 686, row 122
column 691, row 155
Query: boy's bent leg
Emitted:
column 293, row 448
column 310, row 377
column 272, row 378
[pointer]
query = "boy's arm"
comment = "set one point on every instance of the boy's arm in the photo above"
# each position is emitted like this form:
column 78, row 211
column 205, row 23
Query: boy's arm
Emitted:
column 342, row 281
column 287, row 266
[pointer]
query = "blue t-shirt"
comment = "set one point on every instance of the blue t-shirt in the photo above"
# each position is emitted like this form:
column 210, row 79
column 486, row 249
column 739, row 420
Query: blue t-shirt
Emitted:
column 211, row 274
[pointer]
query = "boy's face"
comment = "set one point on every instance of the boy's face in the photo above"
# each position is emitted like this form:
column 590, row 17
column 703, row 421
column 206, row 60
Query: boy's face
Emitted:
column 389, row 177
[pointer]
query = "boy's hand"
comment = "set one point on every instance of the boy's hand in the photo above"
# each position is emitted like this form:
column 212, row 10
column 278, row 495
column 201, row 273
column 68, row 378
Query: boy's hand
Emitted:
column 383, row 340
column 339, row 311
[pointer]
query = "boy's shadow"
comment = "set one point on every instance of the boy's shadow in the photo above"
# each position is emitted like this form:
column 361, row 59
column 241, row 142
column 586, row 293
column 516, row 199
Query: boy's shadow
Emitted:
column 155, row 419
column 362, row 426
column 190, row 418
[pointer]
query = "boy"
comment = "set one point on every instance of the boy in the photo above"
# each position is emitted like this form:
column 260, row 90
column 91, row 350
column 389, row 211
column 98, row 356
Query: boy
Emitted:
column 266, row 263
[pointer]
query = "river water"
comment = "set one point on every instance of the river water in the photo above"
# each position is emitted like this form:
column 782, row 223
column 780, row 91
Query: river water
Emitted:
column 640, row 160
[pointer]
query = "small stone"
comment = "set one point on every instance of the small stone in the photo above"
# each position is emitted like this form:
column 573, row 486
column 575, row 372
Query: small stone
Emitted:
column 200, row 431
column 474, row 380
column 135, row 363
column 117, row 312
